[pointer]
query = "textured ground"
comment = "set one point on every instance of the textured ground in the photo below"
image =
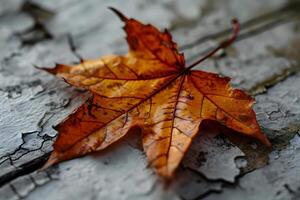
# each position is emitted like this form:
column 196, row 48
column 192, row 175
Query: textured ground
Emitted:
column 265, row 61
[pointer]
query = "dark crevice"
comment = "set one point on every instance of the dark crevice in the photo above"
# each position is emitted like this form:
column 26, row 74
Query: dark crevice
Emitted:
column 210, row 191
column 24, row 169
column 27, row 167
column 288, row 188
column 34, row 35
column 38, row 13
column 41, row 123
column 38, row 32
column 73, row 48
column 15, row 191
column 36, row 163
column 225, row 184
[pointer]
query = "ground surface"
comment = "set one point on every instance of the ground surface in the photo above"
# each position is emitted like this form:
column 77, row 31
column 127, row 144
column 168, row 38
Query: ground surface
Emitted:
column 265, row 61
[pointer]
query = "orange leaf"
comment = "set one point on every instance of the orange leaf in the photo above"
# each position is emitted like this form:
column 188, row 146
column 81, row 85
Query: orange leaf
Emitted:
column 150, row 88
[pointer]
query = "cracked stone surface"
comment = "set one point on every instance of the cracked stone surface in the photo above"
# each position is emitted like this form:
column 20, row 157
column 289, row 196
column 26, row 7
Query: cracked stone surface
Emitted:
column 264, row 61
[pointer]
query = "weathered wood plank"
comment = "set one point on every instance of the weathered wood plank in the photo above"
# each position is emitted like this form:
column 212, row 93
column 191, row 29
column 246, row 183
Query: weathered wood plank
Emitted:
column 31, row 102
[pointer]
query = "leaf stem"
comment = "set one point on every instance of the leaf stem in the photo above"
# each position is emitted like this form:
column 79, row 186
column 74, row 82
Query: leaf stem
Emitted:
column 235, row 30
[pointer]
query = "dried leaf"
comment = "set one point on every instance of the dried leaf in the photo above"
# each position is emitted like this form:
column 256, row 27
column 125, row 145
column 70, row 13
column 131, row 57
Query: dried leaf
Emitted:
column 150, row 88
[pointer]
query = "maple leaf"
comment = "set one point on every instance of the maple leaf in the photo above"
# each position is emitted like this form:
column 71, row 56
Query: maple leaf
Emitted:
column 150, row 88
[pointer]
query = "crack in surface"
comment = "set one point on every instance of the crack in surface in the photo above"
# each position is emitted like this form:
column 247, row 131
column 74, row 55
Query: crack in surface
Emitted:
column 38, row 32
column 73, row 47
column 36, row 163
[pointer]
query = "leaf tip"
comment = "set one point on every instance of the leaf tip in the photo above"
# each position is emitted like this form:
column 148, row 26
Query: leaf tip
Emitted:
column 119, row 14
column 59, row 68
column 263, row 139
column 53, row 159
column 49, row 70
column 40, row 68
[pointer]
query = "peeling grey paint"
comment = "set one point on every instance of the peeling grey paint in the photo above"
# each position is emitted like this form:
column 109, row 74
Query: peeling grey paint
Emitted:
column 264, row 62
